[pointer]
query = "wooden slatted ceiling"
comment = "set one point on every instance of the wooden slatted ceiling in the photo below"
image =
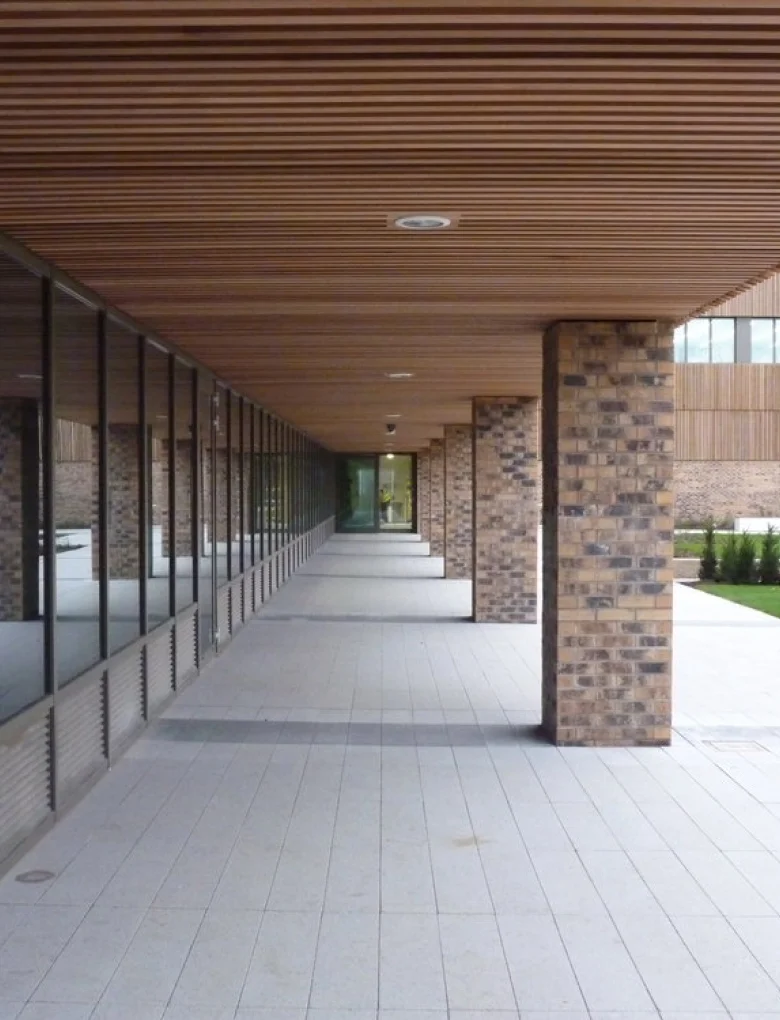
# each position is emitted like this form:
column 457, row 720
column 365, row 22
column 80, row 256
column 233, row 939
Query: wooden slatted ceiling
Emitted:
column 225, row 173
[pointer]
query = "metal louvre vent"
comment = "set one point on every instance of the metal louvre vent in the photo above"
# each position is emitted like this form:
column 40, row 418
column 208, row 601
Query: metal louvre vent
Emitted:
column 159, row 670
column 25, row 786
column 237, row 606
column 186, row 648
column 81, row 748
column 223, row 614
column 126, row 698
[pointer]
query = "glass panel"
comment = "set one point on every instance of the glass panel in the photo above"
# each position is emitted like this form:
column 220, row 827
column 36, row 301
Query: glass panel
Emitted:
column 257, row 460
column 285, row 485
column 395, row 492
column 247, row 462
column 157, row 459
column 260, row 481
column 274, row 501
column 236, row 487
column 762, row 341
column 357, row 494
column 679, row 344
column 698, row 340
column 723, row 340
column 185, row 427
column 21, row 517
column 206, row 501
column 124, row 459
column 222, row 483
column 76, row 414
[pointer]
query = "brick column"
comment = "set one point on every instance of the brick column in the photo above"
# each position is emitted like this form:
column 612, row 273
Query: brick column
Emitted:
column 19, row 510
column 437, row 497
column 458, row 488
column 183, row 454
column 506, row 510
column 424, row 494
column 123, row 505
column 608, row 533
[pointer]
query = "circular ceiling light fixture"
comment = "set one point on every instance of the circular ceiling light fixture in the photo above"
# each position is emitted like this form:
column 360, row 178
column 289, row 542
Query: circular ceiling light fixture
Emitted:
column 391, row 456
column 423, row 222
column 399, row 375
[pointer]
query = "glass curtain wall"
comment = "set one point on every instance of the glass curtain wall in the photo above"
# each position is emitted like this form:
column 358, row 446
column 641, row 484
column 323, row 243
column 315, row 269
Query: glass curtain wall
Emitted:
column 207, row 499
column 23, row 481
column 132, row 483
column 77, row 528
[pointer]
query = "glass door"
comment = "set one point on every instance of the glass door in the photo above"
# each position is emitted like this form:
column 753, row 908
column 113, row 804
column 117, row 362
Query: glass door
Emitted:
column 396, row 492
column 357, row 488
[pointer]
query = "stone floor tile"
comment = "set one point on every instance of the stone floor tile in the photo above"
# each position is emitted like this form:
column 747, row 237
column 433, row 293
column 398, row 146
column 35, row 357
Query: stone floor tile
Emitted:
column 411, row 973
column 346, row 968
column 217, row 965
column 607, row 976
column 732, row 970
column 85, row 966
column 475, row 969
column 282, row 965
column 539, row 966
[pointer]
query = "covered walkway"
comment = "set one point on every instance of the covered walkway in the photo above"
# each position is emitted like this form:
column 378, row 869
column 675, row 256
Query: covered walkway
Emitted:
column 349, row 812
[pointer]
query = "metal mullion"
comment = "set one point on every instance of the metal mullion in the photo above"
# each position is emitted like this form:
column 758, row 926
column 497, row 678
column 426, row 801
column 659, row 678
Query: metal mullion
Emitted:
column 251, row 502
column 196, row 525
column 228, row 484
column 172, row 558
column 262, row 480
column 49, row 532
column 143, row 492
column 103, row 502
column 242, row 482
column 277, row 515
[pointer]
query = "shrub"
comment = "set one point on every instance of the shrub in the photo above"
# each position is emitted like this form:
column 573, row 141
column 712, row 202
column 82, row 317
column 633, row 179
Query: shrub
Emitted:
column 769, row 561
column 708, row 565
column 746, row 560
column 729, row 561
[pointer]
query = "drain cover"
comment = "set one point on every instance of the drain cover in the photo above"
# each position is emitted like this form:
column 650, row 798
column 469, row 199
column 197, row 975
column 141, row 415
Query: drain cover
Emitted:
column 734, row 745
column 31, row 877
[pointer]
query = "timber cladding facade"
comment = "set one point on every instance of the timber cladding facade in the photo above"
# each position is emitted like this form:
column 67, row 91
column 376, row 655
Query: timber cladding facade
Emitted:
column 728, row 424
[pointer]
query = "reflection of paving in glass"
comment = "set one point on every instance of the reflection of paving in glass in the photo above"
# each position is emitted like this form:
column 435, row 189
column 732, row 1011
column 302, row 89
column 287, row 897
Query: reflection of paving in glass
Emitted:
column 78, row 603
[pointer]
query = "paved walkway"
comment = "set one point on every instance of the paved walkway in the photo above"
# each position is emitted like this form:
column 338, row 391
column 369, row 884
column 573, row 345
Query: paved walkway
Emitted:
column 347, row 815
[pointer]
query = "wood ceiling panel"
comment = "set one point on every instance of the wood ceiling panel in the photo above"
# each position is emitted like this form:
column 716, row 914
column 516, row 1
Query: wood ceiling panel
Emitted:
column 226, row 173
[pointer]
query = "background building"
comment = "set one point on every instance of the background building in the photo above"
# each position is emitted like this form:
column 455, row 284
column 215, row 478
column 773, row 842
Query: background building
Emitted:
column 728, row 409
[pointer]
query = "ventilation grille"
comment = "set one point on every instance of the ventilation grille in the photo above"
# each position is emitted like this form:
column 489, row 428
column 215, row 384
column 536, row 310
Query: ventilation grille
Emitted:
column 126, row 698
column 237, row 606
column 186, row 648
column 80, row 737
column 223, row 614
column 159, row 670
column 25, row 786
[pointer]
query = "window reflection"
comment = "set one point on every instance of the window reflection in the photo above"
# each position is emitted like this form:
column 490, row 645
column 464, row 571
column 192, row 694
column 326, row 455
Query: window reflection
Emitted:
column 722, row 340
column 184, row 439
column 698, row 340
column 21, row 492
column 158, row 459
column 123, row 474
column 76, row 521
column 762, row 345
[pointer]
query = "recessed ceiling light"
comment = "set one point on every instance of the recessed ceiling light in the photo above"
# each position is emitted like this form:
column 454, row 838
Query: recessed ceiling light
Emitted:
column 392, row 416
column 391, row 456
column 423, row 221
column 29, row 375
column 400, row 375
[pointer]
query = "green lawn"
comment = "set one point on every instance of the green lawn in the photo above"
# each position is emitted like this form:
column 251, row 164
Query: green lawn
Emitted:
column 691, row 544
column 756, row 596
